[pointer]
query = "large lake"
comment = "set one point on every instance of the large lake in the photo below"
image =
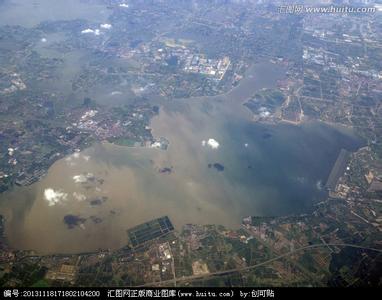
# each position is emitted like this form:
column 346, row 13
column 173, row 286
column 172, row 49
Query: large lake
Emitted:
column 89, row 199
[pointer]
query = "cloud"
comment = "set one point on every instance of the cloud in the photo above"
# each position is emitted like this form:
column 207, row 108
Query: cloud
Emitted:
column 54, row 197
column 156, row 145
column 106, row 26
column 79, row 196
column 88, row 30
column 80, row 178
column 211, row 143
column 124, row 5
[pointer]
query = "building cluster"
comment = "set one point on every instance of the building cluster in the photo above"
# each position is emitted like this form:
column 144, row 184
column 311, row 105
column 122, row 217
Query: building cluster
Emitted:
column 214, row 68
column 179, row 56
column 10, row 83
